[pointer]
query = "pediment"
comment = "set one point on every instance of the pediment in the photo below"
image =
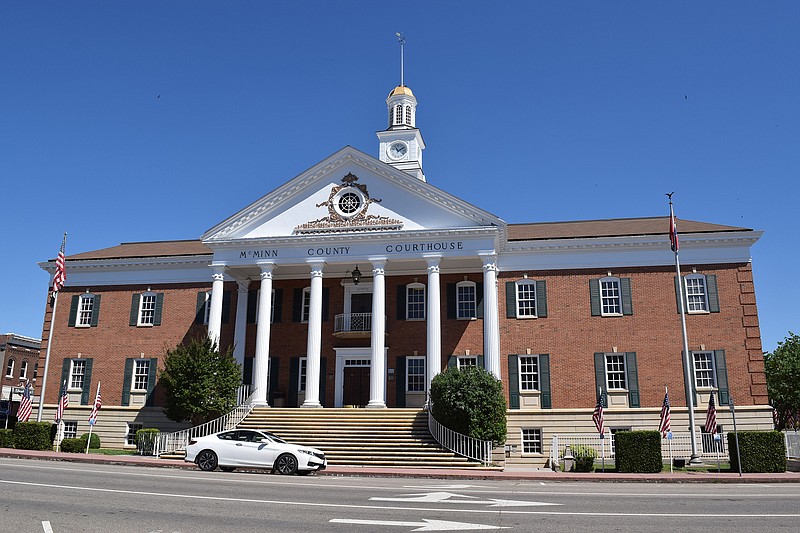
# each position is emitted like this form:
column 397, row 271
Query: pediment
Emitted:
column 349, row 192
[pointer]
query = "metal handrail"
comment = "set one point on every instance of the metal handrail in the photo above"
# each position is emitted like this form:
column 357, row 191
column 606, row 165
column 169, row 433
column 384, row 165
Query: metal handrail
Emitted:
column 352, row 322
column 469, row 447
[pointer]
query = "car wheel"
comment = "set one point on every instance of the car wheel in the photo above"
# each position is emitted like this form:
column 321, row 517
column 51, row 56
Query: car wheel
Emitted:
column 207, row 460
column 286, row 464
column 227, row 468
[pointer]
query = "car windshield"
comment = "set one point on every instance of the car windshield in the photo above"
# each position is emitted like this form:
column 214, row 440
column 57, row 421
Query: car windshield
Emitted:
column 275, row 437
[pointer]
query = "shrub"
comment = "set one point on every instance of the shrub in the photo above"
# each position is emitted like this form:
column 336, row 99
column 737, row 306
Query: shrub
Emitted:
column 145, row 439
column 73, row 445
column 470, row 401
column 638, row 451
column 584, row 457
column 95, row 443
column 33, row 435
column 6, row 438
column 760, row 451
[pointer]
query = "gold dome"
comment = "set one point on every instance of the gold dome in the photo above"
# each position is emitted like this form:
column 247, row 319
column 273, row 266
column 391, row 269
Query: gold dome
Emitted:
column 401, row 89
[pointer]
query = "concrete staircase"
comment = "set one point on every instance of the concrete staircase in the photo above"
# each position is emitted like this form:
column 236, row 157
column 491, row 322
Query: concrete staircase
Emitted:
column 360, row 437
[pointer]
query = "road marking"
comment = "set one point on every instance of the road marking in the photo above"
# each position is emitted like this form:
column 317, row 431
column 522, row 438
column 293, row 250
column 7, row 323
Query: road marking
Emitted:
column 425, row 525
column 449, row 497
column 46, row 526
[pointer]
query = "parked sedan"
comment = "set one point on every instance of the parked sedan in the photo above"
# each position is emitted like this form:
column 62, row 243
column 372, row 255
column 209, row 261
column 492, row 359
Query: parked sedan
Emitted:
column 248, row 448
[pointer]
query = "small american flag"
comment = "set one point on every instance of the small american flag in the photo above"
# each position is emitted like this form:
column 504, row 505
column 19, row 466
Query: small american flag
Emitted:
column 25, row 408
column 711, row 416
column 96, row 407
column 597, row 416
column 673, row 230
column 63, row 402
column 664, row 427
column 61, row 272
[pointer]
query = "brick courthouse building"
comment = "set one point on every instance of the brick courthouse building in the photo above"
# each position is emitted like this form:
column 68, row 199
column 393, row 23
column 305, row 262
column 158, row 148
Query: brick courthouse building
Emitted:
column 376, row 280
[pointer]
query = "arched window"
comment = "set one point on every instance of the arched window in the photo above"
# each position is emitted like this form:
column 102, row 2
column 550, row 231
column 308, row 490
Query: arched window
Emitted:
column 10, row 368
column 398, row 114
column 23, row 369
column 408, row 115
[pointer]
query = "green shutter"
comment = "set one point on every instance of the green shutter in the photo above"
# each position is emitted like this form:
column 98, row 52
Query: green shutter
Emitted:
column 541, row 299
column 401, row 302
column 600, row 375
column 678, row 293
column 693, row 399
column 252, row 303
column 87, row 382
column 633, row 379
column 544, row 381
column 73, row 310
column 400, row 381
column 479, row 300
column 274, row 378
column 452, row 305
column 722, row 377
column 226, row 307
column 126, row 382
column 294, row 376
column 277, row 311
column 135, row 309
column 297, row 305
column 627, row 300
column 513, row 381
column 452, row 361
column 594, row 296
column 511, row 299
column 481, row 362
column 713, row 294
column 151, row 382
column 326, row 302
column 95, row 311
column 323, row 363
column 159, row 309
column 247, row 371
column 200, row 308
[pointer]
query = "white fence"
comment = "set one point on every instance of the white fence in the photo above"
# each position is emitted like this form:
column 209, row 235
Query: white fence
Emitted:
column 479, row 450
column 352, row 322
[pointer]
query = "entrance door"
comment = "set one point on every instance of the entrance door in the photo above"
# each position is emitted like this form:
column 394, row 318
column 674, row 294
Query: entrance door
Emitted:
column 356, row 385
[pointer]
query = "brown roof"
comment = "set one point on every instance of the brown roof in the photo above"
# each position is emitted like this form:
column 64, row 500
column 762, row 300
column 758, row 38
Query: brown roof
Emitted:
column 129, row 250
column 617, row 227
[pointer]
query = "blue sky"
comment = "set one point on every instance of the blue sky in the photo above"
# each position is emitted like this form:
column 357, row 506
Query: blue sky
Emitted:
column 139, row 121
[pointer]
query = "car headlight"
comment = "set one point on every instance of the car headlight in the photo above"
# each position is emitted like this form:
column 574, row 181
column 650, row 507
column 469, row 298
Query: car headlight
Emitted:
column 306, row 452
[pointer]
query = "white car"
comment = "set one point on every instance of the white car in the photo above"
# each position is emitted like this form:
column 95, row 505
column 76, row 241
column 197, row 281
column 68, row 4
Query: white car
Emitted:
column 249, row 448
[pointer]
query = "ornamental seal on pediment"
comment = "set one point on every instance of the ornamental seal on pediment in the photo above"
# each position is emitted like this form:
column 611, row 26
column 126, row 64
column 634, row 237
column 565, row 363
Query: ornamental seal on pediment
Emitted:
column 348, row 206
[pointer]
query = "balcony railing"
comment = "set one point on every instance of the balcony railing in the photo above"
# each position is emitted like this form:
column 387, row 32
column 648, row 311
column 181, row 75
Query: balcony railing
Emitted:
column 353, row 323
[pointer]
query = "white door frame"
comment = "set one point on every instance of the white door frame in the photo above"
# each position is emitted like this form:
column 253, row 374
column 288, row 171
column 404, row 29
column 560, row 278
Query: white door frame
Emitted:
column 352, row 353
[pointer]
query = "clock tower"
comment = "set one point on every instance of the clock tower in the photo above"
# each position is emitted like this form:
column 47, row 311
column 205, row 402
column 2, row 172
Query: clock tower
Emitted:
column 401, row 143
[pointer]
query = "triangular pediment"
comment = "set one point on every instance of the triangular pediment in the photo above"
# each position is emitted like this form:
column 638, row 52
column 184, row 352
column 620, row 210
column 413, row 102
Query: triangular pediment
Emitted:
column 349, row 192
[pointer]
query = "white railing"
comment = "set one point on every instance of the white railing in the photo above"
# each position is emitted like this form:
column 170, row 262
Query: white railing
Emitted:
column 476, row 449
column 177, row 441
column 792, row 444
column 348, row 322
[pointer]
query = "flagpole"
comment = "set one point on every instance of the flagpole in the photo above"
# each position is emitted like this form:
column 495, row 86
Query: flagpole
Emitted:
column 687, row 366
column 49, row 344
column 92, row 422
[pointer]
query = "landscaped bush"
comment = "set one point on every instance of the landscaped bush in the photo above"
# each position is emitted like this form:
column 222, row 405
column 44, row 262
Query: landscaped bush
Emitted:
column 145, row 439
column 584, row 457
column 470, row 401
column 760, row 451
column 6, row 438
column 95, row 444
column 638, row 451
column 73, row 445
column 33, row 435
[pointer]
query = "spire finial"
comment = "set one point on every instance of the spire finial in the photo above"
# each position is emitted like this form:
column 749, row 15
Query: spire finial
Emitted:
column 402, row 40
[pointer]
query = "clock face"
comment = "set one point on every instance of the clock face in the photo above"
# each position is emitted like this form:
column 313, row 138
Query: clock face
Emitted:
column 398, row 150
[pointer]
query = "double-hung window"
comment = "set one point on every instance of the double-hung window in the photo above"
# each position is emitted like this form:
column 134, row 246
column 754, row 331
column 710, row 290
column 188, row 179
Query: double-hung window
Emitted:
column 23, row 369
column 531, row 440
column 141, row 372
column 526, row 299
column 528, row 373
column 415, row 301
column 615, row 371
column 70, row 430
column 301, row 385
column 696, row 293
column 704, row 375
column 130, row 437
column 306, row 309
column 272, row 306
column 147, row 309
column 10, row 368
column 415, row 374
column 85, row 310
column 207, row 309
column 77, row 373
column 466, row 300
column 610, row 297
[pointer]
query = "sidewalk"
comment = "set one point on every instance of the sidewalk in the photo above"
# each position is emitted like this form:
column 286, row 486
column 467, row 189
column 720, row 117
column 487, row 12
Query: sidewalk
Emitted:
column 432, row 473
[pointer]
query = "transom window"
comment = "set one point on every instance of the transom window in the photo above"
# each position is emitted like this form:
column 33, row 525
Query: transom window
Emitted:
column 147, row 309
column 415, row 372
column 696, row 297
column 610, row 296
column 306, row 304
column 85, row 309
column 415, row 301
column 465, row 361
column 141, row 372
column 615, row 371
column 466, row 300
column 77, row 373
column 526, row 298
column 10, row 367
column 704, row 370
column 70, row 430
column 531, row 440
column 130, row 437
column 529, row 373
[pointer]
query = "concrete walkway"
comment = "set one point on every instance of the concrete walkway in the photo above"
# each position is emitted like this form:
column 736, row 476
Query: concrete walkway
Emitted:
column 433, row 473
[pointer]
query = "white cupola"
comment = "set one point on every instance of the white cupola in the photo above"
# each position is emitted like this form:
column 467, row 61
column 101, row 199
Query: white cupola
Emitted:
column 401, row 144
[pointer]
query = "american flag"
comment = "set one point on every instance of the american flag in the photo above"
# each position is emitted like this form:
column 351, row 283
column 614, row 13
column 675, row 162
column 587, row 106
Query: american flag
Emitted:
column 597, row 416
column 63, row 402
column 711, row 416
column 665, row 427
column 61, row 272
column 673, row 230
column 95, row 407
column 25, row 408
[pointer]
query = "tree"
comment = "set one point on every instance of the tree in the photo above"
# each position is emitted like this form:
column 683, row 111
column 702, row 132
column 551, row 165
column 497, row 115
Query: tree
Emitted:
column 200, row 381
column 470, row 401
column 782, row 368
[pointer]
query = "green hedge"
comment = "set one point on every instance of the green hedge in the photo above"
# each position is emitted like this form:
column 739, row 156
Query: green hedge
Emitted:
column 6, row 438
column 73, row 445
column 584, row 457
column 145, row 438
column 760, row 451
column 638, row 451
column 95, row 441
column 33, row 435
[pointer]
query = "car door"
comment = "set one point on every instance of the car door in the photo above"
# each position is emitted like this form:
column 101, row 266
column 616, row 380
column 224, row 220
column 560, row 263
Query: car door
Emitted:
column 224, row 447
column 250, row 451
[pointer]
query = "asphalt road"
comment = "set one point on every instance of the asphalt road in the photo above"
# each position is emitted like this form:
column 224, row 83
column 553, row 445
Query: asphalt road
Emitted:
column 42, row 496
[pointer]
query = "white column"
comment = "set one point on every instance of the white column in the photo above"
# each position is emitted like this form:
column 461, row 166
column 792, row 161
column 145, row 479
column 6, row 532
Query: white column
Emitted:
column 261, row 362
column 434, row 322
column 377, row 373
column 215, row 313
column 491, row 325
column 313, row 351
column 240, row 328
